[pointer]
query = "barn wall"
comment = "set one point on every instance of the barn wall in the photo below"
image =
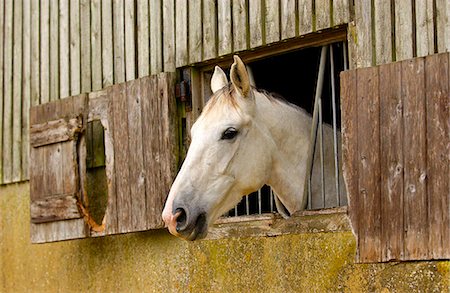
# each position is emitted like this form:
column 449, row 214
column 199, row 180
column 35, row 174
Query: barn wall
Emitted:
column 157, row 262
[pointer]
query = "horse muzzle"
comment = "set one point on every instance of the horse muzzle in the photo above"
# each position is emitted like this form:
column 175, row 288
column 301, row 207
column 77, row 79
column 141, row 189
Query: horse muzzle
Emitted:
column 187, row 224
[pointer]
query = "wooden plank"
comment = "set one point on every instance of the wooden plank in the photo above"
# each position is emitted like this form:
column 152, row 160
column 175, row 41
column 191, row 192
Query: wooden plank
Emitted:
column 169, row 35
column 383, row 32
column 341, row 12
column 17, row 93
column 64, row 49
column 57, row 231
column 181, row 31
column 424, row 28
column 414, row 155
column 305, row 13
column 107, row 43
column 85, row 42
column 209, row 29
column 272, row 21
column 289, row 25
column 156, row 62
column 442, row 25
column 256, row 23
column 119, row 41
column 150, row 146
column 26, row 89
column 438, row 150
column 121, row 157
column 45, row 51
column 75, row 59
column 130, row 58
column 391, row 161
column 323, row 14
column 8, row 94
column 54, row 50
column 224, row 35
column 195, row 31
column 136, row 178
column 239, row 29
column 403, row 30
column 368, row 136
column 55, row 131
column 36, row 157
column 143, row 38
column 35, row 77
column 364, row 50
column 57, row 208
column 96, row 44
column 2, row 24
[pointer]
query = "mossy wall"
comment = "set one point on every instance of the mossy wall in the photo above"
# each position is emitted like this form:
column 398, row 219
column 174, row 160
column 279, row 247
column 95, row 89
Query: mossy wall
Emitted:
column 157, row 262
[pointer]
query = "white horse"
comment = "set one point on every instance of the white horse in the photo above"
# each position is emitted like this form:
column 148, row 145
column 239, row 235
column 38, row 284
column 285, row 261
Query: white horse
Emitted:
column 243, row 139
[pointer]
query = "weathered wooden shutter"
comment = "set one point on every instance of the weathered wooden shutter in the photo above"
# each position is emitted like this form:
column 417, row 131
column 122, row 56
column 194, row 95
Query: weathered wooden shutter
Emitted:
column 139, row 136
column 396, row 146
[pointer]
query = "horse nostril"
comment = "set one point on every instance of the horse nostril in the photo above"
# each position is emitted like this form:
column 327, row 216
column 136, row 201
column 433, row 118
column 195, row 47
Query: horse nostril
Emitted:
column 181, row 218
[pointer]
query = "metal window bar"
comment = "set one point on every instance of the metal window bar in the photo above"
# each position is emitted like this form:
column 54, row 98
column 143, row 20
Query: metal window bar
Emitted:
column 316, row 140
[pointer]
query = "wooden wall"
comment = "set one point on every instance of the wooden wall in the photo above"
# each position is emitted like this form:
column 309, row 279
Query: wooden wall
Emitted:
column 57, row 48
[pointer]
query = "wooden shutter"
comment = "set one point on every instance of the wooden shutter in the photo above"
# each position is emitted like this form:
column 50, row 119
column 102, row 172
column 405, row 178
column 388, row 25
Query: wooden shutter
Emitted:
column 396, row 145
column 139, row 125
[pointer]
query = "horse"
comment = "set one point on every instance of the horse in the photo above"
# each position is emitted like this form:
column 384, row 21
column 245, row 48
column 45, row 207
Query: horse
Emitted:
column 243, row 139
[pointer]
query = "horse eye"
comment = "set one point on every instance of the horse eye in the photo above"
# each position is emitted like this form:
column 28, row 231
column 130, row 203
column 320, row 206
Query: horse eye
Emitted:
column 230, row 133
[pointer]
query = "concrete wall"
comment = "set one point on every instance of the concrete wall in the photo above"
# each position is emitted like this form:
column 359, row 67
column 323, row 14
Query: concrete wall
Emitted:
column 157, row 262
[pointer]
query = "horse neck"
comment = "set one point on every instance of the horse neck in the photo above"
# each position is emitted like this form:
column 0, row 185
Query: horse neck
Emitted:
column 289, row 128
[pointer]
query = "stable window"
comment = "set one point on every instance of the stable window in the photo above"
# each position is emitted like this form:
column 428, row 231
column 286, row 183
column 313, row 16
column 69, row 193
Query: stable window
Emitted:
column 300, row 76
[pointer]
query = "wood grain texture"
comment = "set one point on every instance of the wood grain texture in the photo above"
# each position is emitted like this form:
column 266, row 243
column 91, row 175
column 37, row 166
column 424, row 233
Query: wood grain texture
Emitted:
column 383, row 32
column 53, row 209
column 391, row 129
column 195, row 31
column 54, row 131
column 364, row 48
column 136, row 179
column 96, row 44
column 442, row 25
column 414, row 155
column 26, row 91
column 64, row 48
column 438, row 150
column 156, row 62
column 168, row 13
column 323, row 14
column 239, row 12
column 85, row 46
column 17, row 93
column 8, row 94
column 143, row 38
column 341, row 12
column 305, row 16
column 121, row 157
column 424, row 28
column 107, row 43
column 130, row 49
column 272, row 21
column 403, row 30
column 256, row 24
column 2, row 23
column 209, row 29
column 35, row 77
column 181, row 31
column 368, row 134
column 288, row 19
column 75, row 45
column 54, row 50
column 119, row 40
column 224, row 31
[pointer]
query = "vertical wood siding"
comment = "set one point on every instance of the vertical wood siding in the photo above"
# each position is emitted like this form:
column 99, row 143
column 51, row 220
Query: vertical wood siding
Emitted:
column 396, row 161
column 52, row 49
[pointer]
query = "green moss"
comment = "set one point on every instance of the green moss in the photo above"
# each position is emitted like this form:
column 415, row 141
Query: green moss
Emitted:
column 154, row 261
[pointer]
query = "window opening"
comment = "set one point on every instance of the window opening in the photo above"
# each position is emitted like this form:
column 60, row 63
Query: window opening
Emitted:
column 308, row 78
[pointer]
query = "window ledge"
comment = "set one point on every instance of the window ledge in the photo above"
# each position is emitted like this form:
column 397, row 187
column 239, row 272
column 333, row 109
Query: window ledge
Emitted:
column 269, row 225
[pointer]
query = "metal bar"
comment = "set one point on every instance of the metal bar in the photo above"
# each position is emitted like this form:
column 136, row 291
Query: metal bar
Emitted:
column 321, row 151
column 335, row 138
column 235, row 210
column 271, row 199
column 314, row 125
column 247, row 206
column 345, row 55
column 259, row 202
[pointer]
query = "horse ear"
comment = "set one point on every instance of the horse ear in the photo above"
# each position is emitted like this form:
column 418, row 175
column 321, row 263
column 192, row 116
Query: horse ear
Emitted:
column 239, row 76
column 218, row 80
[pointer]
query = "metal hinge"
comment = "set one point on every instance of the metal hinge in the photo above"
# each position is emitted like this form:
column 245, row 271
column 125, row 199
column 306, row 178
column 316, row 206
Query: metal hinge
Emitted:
column 183, row 93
